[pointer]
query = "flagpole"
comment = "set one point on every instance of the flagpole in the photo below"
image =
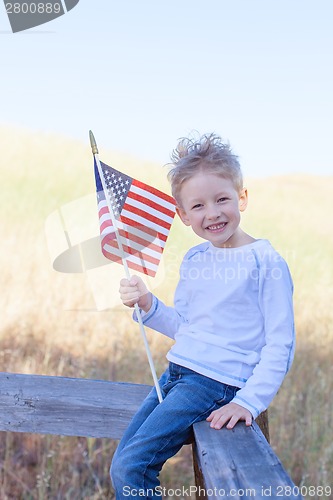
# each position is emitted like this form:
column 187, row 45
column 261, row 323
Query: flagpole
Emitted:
column 108, row 196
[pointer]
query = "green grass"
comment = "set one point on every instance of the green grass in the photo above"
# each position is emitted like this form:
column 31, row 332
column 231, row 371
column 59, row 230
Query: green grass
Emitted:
column 50, row 325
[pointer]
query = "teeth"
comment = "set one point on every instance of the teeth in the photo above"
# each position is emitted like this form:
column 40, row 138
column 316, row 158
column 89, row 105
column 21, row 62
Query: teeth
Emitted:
column 217, row 226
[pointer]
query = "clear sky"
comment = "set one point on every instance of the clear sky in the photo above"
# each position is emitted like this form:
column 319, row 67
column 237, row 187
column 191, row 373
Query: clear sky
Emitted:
column 142, row 73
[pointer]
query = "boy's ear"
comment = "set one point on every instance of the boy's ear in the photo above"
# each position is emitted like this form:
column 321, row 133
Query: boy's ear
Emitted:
column 243, row 200
column 182, row 214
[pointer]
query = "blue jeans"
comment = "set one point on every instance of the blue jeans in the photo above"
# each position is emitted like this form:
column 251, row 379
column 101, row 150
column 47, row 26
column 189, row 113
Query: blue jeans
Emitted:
column 158, row 430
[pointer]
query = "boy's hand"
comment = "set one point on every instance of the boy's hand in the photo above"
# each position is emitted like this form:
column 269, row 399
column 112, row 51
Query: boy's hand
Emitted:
column 232, row 413
column 134, row 291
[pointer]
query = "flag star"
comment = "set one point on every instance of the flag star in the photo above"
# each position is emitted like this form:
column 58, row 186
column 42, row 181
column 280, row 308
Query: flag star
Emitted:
column 113, row 175
column 127, row 181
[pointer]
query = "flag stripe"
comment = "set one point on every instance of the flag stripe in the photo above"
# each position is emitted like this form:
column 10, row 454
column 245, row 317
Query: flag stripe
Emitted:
column 133, row 261
column 150, row 203
column 154, row 192
column 142, row 232
column 137, row 231
column 133, row 252
column 146, row 237
column 150, row 250
column 168, row 203
column 141, row 215
column 141, row 268
column 149, row 213
column 138, row 206
column 140, row 241
column 128, row 221
column 132, row 265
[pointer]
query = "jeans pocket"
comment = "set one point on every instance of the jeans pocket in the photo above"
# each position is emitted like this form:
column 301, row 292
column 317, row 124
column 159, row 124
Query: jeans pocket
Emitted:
column 222, row 399
column 229, row 394
column 170, row 382
column 220, row 402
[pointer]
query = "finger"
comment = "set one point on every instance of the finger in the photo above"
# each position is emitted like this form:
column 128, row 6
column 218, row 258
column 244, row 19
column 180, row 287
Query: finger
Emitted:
column 134, row 281
column 129, row 299
column 219, row 420
column 232, row 422
column 248, row 420
column 124, row 290
column 141, row 287
column 213, row 415
column 124, row 282
column 129, row 295
column 217, row 425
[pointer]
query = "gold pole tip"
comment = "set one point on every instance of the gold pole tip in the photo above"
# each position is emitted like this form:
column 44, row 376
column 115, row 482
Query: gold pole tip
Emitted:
column 93, row 143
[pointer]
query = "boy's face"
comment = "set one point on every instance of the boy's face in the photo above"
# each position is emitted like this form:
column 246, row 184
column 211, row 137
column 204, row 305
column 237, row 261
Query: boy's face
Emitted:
column 211, row 206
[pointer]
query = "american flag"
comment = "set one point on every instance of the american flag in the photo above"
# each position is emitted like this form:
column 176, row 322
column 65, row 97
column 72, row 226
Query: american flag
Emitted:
column 143, row 214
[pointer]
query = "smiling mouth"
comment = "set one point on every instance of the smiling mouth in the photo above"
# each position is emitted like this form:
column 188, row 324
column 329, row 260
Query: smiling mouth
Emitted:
column 216, row 227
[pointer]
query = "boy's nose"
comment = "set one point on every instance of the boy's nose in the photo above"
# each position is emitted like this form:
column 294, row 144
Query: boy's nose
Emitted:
column 213, row 212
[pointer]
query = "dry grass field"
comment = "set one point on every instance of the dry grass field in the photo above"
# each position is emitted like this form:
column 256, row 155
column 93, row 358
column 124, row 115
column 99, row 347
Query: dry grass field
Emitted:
column 50, row 324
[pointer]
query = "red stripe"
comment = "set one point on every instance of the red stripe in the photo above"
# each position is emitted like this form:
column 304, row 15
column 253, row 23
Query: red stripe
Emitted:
column 151, row 234
column 104, row 225
column 147, row 216
column 130, row 222
column 150, row 203
column 154, row 191
column 140, row 241
column 107, row 238
column 132, row 251
column 132, row 265
column 103, row 211
column 141, row 269
column 111, row 256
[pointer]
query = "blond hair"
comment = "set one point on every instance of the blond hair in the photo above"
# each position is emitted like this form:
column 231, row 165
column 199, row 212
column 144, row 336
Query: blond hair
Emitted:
column 208, row 154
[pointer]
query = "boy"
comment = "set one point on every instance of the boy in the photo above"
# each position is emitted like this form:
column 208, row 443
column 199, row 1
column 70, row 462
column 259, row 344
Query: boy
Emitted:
column 232, row 321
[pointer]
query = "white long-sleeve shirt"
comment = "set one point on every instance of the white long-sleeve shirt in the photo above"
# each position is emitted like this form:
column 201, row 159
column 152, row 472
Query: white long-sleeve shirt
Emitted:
column 232, row 319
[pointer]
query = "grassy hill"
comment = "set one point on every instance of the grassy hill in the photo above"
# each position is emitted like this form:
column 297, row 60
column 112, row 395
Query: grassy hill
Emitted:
column 50, row 324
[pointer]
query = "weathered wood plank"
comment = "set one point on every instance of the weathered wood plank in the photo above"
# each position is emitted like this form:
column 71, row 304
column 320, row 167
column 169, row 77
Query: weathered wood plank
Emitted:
column 239, row 463
column 263, row 424
column 227, row 461
column 67, row 406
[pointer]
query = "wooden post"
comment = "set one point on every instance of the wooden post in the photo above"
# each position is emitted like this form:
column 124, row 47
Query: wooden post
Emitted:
column 238, row 463
column 262, row 422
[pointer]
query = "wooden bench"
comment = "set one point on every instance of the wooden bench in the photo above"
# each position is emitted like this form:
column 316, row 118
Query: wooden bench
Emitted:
column 236, row 463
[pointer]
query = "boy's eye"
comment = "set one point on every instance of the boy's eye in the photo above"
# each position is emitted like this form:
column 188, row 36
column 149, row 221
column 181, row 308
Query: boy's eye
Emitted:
column 222, row 199
column 198, row 205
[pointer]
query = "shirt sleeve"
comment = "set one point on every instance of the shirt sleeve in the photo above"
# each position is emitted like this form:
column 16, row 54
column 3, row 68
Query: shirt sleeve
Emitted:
column 166, row 319
column 276, row 305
